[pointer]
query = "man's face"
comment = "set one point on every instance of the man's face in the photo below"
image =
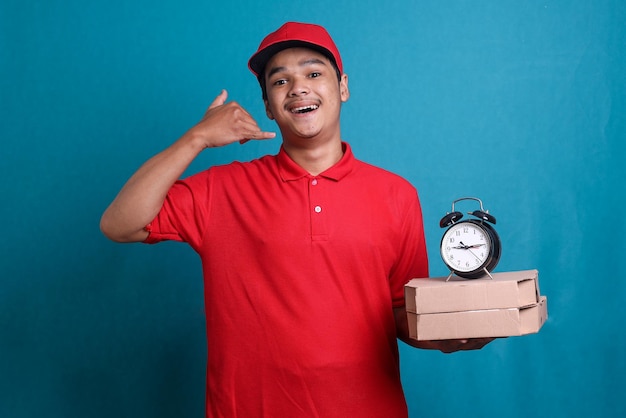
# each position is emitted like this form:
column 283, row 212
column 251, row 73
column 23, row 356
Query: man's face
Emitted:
column 303, row 93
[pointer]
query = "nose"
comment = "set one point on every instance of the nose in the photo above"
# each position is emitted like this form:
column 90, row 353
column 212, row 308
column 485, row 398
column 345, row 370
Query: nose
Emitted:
column 299, row 86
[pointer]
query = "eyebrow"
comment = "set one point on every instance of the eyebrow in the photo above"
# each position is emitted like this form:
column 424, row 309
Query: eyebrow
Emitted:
column 306, row 62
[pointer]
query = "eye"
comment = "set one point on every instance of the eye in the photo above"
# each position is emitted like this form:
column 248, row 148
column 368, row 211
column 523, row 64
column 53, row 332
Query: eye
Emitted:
column 279, row 82
column 315, row 74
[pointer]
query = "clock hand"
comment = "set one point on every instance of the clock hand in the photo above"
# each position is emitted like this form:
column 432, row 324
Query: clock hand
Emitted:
column 472, row 252
column 467, row 247
column 462, row 246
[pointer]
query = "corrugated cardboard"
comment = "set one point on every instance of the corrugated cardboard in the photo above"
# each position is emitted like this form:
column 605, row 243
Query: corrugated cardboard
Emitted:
column 479, row 323
column 506, row 290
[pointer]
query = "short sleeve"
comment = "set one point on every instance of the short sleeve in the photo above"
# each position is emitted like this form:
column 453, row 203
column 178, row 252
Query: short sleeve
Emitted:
column 184, row 212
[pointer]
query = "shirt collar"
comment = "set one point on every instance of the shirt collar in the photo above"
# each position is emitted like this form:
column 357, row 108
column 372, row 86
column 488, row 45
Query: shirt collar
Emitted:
column 289, row 170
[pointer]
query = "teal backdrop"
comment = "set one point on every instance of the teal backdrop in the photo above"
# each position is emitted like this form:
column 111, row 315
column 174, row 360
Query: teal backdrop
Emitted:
column 519, row 103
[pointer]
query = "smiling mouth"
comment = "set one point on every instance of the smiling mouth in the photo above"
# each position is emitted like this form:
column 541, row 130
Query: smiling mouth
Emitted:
column 304, row 109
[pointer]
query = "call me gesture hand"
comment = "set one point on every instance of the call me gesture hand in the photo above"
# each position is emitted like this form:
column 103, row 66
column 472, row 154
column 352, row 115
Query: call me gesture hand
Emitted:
column 142, row 196
column 225, row 123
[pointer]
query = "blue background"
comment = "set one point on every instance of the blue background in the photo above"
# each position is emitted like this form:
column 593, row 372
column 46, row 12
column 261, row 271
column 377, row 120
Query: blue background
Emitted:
column 520, row 103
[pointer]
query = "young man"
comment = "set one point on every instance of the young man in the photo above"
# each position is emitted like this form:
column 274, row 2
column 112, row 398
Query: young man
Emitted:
column 304, row 254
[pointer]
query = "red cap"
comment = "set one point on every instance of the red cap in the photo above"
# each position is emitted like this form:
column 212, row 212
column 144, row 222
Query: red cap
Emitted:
column 294, row 34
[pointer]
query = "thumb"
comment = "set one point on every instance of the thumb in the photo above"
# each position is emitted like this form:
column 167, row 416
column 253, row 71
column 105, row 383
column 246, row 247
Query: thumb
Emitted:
column 219, row 100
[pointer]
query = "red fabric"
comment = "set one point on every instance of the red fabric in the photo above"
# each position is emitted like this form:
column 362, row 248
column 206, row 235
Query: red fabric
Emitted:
column 293, row 34
column 298, row 300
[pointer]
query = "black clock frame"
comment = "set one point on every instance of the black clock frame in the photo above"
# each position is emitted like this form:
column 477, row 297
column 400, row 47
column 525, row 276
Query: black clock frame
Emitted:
column 495, row 249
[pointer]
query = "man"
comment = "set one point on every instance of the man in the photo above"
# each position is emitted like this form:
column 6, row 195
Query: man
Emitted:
column 304, row 254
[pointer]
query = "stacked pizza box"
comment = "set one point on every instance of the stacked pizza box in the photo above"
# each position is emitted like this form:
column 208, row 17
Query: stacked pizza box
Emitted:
column 500, row 305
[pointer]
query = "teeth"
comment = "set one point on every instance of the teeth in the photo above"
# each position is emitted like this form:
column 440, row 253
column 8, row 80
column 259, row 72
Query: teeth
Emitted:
column 304, row 109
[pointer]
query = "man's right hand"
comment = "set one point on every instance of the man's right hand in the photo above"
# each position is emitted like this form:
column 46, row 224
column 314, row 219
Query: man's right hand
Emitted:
column 225, row 123
column 141, row 198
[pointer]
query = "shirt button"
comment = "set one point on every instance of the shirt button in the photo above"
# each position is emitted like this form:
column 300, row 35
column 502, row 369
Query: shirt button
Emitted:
column 314, row 182
column 318, row 209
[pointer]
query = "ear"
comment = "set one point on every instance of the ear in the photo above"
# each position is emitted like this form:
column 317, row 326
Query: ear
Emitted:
column 268, row 112
column 343, row 88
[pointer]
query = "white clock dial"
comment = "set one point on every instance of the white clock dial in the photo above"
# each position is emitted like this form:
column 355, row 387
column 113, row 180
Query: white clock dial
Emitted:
column 465, row 247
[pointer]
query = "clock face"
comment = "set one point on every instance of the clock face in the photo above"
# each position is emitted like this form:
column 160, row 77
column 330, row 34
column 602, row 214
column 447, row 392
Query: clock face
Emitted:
column 465, row 247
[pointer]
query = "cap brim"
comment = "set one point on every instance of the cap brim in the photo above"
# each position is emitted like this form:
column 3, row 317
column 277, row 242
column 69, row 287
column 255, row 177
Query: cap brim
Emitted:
column 259, row 60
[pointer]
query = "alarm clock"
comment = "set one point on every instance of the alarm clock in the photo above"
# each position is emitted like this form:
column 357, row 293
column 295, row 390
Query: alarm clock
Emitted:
column 470, row 248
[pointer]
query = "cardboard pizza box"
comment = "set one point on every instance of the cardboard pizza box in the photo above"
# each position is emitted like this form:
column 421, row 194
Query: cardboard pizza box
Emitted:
column 506, row 290
column 479, row 323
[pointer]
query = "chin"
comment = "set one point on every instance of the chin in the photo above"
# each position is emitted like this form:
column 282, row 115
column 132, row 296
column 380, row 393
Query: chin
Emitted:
column 304, row 134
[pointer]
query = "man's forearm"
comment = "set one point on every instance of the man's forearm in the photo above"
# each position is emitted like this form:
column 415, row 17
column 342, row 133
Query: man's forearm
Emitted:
column 141, row 198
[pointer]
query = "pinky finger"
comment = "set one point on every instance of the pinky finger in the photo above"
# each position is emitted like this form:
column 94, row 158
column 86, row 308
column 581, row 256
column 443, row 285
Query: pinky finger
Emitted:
column 260, row 135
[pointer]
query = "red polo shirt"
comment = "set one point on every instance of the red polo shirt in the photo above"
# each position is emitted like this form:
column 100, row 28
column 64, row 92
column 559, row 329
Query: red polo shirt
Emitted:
column 301, row 273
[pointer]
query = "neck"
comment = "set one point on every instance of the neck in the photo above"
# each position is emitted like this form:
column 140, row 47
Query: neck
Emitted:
column 315, row 159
